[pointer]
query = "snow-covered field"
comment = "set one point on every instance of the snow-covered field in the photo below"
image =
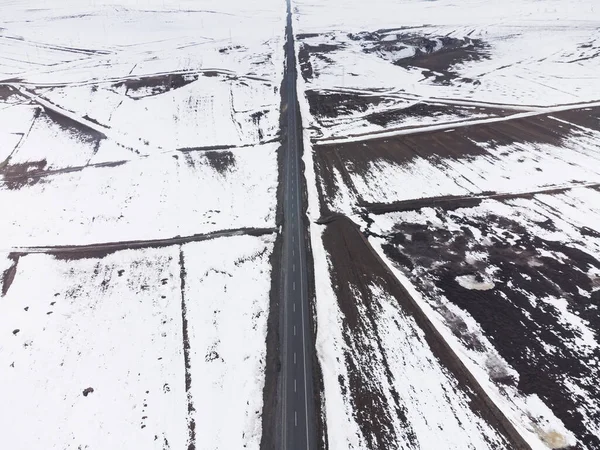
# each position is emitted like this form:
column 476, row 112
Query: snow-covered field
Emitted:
column 138, row 178
column 384, row 384
column 520, row 155
column 115, row 146
column 516, row 282
column 475, row 53
column 143, row 199
column 128, row 350
column 463, row 139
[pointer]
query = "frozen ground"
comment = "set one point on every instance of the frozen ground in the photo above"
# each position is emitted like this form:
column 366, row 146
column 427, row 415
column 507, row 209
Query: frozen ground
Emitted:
column 462, row 139
column 138, row 178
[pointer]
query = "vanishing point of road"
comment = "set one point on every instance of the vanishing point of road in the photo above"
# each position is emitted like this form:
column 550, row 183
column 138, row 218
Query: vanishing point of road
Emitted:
column 296, row 396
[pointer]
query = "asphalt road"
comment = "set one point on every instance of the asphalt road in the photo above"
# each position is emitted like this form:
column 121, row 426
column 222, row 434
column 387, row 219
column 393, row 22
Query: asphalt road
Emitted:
column 298, row 412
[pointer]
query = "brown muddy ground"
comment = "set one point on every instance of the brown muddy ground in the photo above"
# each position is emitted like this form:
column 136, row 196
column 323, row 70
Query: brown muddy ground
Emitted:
column 530, row 335
column 355, row 267
column 434, row 146
column 308, row 53
column 9, row 274
column 427, row 110
column 100, row 250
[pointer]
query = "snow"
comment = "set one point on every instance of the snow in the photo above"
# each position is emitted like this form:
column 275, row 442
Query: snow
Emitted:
column 537, row 58
column 78, row 56
column 207, row 112
column 343, row 431
column 109, row 115
column 58, row 146
column 146, row 198
column 528, row 54
column 450, row 125
column 471, row 282
column 570, row 214
column 503, row 169
column 529, row 419
column 387, row 182
column 437, row 409
column 430, row 393
column 15, row 121
column 81, row 325
column 356, row 127
column 114, row 324
column 537, row 50
column 227, row 297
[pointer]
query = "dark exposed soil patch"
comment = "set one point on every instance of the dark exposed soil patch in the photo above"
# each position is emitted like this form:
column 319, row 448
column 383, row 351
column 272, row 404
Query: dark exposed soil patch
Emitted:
column 29, row 178
column 156, row 85
column 396, row 117
column 587, row 117
column 256, row 118
column 6, row 92
column 589, row 50
column 222, row 161
column 514, row 314
column 9, row 274
column 452, row 202
column 306, row 68
column 436, row 54
column 308, row 52
column 325, row 106
column 186, row 356
column 87, row 391
column 337, row 104
column 91, row 119
column 302, row 36
column 373, row 413
column 354, row 268
column 92, row 251
column 17, row 176
column 231, row 48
